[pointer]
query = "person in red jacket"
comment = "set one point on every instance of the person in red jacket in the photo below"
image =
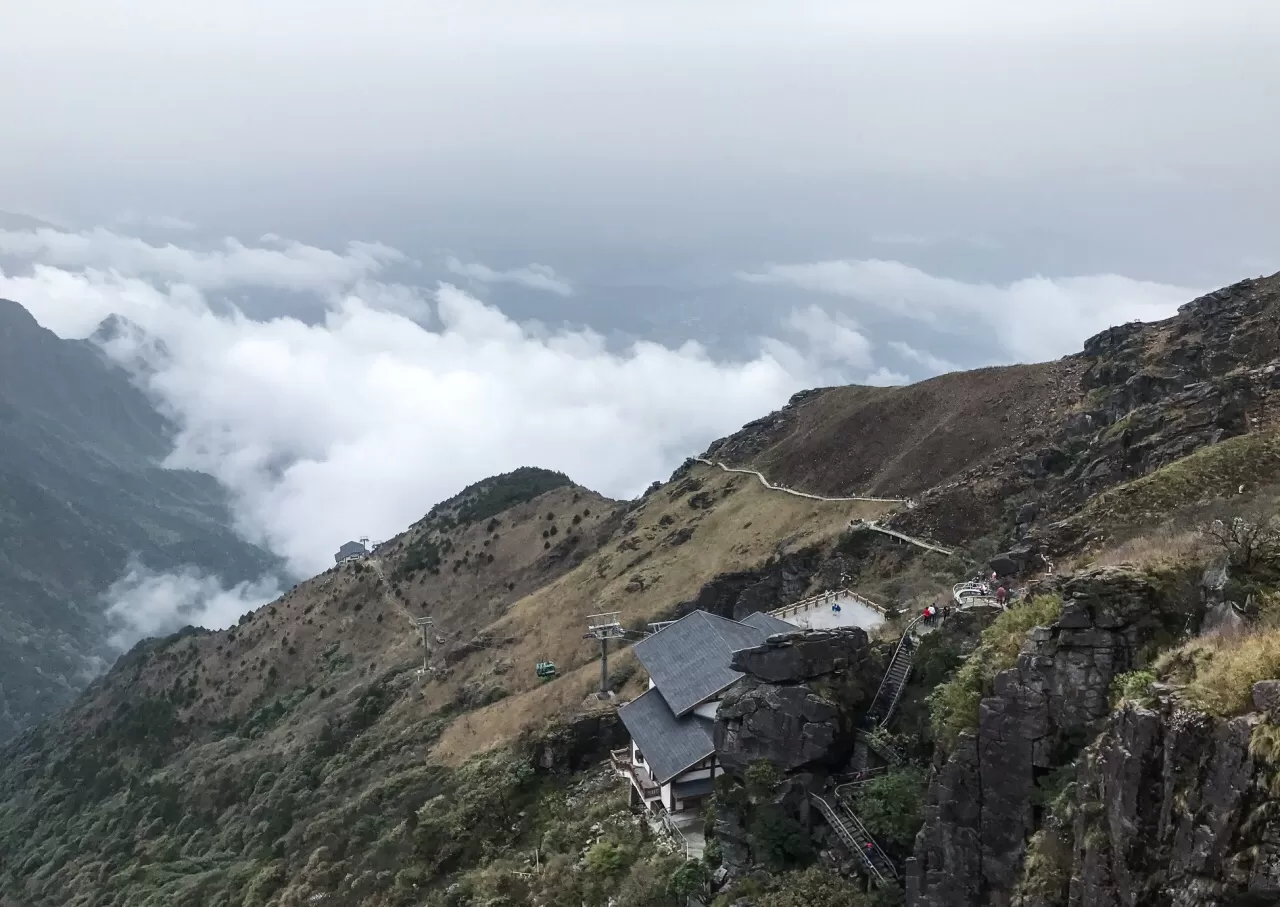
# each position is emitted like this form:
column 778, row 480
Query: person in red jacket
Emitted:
column 1001, row 595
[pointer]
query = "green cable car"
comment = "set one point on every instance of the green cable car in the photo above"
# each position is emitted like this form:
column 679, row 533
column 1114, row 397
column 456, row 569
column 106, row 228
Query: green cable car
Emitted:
column 546, row 670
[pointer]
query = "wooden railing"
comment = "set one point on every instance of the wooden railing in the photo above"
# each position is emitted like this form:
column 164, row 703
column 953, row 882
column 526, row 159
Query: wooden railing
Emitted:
column 621, row 759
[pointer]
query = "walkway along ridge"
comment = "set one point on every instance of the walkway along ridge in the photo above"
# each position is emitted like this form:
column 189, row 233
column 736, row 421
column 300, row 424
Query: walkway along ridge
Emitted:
column 800, row 494
column 865, row 524
column 902, row 536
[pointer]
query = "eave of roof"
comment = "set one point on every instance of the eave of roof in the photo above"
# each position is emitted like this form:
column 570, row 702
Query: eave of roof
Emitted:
column 670, row 745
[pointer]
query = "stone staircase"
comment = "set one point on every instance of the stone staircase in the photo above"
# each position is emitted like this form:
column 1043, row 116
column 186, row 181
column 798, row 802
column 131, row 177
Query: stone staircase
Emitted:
column 854, row 835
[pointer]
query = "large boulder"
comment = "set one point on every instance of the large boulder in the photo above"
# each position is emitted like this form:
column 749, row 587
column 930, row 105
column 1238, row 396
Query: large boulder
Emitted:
column 798, row 703
column 803, row 655
column 1016, row 561
column 790, row 726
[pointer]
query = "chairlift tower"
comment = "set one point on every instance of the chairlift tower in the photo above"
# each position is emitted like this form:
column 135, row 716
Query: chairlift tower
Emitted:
column 422, row 623
column 604, row 627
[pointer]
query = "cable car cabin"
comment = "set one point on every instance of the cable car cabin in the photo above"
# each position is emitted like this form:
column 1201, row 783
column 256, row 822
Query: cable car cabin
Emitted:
column 546, row 670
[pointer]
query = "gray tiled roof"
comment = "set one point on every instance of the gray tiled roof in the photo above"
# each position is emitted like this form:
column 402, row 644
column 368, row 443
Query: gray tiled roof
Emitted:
column 688, row 661
column 769, row 624
column 669, row 744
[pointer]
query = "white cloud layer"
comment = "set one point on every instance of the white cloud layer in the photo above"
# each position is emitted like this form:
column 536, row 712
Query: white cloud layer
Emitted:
column 1033, row 319
column 286, row 265
column 155, row 221
column 142, row 603
column 356, row 424
column 885, row 377
column 534, row 276
column 838, row 338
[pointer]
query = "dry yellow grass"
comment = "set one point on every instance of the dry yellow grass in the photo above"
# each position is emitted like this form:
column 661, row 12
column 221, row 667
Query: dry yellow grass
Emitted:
column 745, row 525
column 338, row 632
column 1162, row 547
column 1216, row 673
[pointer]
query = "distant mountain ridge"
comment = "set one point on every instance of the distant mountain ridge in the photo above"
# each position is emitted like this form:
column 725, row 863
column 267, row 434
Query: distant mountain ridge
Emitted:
column 82, row 493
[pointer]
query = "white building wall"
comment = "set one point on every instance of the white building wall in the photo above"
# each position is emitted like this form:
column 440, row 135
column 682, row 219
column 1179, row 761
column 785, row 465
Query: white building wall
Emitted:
column 707, row 709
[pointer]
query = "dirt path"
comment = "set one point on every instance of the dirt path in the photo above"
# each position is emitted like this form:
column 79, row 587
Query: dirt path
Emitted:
column 387, row 593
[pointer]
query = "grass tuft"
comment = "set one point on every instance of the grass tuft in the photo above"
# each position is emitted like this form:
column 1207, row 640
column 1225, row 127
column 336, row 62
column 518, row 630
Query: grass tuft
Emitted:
column 953, row 706
column 1217, row 673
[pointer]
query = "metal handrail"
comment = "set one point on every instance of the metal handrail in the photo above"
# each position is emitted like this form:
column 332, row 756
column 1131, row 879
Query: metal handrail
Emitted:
column 862, row 829
column 881, row 748
column 864, row 776
column 842, row 830
column 906, row 634
column 673, row 829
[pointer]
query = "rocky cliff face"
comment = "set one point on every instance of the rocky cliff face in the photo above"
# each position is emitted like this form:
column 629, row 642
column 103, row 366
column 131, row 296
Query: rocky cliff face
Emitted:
column 798, row 705
column 982, row 810
column 1146, row 395
column 1172, row 811
column 794, row 712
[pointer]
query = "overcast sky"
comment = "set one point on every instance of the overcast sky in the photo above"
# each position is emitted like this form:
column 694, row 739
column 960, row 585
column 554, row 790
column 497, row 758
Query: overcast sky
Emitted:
column 395, row 246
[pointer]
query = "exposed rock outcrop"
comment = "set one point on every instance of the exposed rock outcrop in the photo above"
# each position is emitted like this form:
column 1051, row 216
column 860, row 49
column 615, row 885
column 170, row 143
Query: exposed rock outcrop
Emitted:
column 1147, row 395
column 981, row 808
column 797, row 710
column 740, row 594
column 801, row 656
column 573, row 745
column 799, row 702
column 1173, row 811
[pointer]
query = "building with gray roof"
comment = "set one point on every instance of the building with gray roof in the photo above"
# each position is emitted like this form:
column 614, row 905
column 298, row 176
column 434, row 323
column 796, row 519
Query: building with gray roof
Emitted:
column 671, row 760
column 350, row 551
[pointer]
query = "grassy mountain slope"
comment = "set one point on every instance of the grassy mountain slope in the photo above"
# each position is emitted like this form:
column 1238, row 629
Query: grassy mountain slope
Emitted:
column 81, row 493
column 274, row 737
column 299, row 759
column 974, row 446
column 887, row 441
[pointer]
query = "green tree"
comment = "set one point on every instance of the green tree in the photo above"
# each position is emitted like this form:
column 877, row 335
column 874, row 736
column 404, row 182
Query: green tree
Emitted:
column 892, row 806
column 691, row 879
column 778, row 839
column 815, row 887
